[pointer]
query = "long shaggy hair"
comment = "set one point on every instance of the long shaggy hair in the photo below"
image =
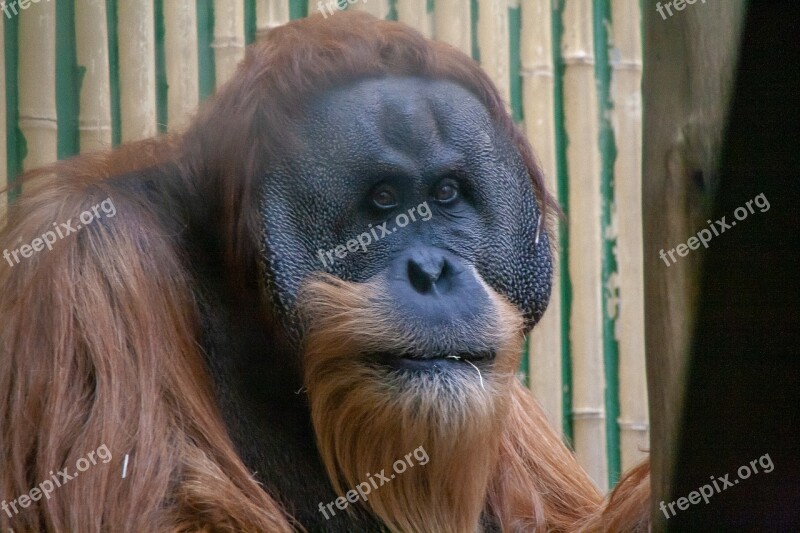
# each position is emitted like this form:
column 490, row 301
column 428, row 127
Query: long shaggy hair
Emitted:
column 366, row 418
column 100, row 336
column 490, row 447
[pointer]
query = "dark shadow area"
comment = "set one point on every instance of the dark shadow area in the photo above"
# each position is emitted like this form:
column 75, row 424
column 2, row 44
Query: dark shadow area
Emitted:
column 743, row 393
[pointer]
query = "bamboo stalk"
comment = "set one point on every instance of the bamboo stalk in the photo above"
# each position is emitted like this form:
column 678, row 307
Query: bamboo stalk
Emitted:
column 270, row 14
column 626, row 117
column 298, row 9
column 586, row 247
column 610, row 275
column 180, row 41
column 228, row 37
column 376, row 8
column 493, row 43
column 3, row 119
column 536, row 56
column 37, row 84
column 452, row 24
column 137, row 70
column 415, row 13
column 91, row 34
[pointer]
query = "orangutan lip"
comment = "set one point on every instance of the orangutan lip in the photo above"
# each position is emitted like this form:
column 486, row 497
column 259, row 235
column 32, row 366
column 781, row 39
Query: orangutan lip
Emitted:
column 416, row 362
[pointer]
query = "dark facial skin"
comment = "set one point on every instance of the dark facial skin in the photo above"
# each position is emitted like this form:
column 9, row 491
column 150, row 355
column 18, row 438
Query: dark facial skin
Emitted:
column 379, row 147
column 370, row 151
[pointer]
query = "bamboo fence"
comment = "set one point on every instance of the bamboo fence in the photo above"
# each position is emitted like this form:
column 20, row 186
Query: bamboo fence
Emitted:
column 3, row 122
column 93, row 73
column 180, row 42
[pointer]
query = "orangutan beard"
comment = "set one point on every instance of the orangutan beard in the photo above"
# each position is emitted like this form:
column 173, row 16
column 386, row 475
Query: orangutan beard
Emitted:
column 370, row 418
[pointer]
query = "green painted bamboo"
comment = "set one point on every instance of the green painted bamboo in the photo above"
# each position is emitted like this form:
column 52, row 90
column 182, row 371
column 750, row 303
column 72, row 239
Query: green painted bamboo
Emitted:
column 113, row 71
column 298, row 9
column 476, row 51
column 626, row 117
column 15, row 142
column 563, row 199
column 392, row 15
column 524, row 363
column 68, row 81
column 249, row 21
column 515, row 83
column 206, row 66
column 515, row 80
column 3, row 125
column 162, row 116
column 608, row 153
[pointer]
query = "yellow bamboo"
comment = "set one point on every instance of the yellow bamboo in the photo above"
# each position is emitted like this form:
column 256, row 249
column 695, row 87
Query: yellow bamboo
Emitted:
column 180, row 43
column 586, row 251
column 536, row 57
column 91, row 35
column 137, row 71
column 271, row 14
column 376, row 8
column 493, row 43
column 452, row 24
column 228, row 37
column 415, row 14
column 37, row 83
column 626, row 120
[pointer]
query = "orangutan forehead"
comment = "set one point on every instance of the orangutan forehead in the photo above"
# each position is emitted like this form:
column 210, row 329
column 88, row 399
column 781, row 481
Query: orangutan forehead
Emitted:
column 401, row 110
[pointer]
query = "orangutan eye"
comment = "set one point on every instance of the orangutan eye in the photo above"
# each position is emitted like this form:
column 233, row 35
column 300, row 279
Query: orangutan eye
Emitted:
column 384, row 197
column 446, row 191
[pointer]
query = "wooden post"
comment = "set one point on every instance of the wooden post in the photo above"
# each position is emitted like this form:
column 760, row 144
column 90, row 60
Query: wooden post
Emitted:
column 687, row 81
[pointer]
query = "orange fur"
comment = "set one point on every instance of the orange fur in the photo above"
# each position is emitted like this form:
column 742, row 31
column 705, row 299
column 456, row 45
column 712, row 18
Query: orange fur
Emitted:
column 491, row 450
column 365, row 421
column 99, row 348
